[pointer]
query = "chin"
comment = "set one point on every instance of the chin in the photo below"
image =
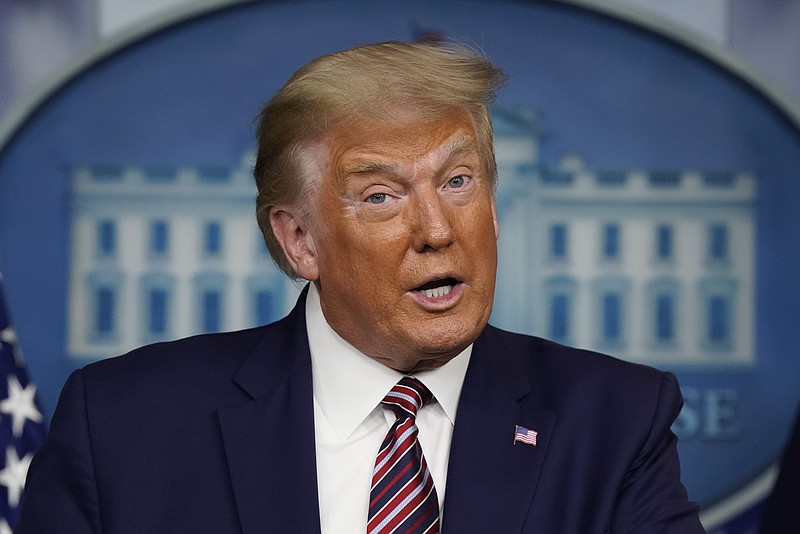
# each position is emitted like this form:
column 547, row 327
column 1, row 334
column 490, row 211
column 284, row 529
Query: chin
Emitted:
column 433, row 342
column 445, row 344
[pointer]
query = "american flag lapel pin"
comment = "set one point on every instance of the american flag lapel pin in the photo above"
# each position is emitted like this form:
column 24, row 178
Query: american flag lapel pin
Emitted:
column 525, row 435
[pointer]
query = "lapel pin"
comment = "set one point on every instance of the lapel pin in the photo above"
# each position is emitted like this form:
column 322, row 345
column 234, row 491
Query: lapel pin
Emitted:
column 524, row 435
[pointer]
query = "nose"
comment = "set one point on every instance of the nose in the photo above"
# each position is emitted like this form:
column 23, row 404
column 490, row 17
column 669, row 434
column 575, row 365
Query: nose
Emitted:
column 432, row 226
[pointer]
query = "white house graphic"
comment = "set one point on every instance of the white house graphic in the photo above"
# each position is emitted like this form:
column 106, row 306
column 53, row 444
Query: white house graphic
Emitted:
column 160, row 253
column 649, row 266
column 655, row 266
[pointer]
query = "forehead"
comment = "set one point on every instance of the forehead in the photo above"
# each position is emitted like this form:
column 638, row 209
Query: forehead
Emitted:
column 400, row 139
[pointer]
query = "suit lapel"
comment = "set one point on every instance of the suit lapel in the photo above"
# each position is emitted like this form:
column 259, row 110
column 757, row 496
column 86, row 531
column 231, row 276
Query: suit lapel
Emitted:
column 269, row 440
column 491, row 481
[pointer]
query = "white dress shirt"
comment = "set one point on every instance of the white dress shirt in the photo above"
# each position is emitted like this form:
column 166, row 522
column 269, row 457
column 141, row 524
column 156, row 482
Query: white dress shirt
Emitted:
column 350, row 423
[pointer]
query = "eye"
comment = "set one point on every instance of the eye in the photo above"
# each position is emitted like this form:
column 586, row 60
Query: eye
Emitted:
column 377, row 198
column 457, row 182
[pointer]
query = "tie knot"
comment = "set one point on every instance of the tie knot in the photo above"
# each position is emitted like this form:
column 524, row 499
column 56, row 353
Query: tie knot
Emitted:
column 406, row 397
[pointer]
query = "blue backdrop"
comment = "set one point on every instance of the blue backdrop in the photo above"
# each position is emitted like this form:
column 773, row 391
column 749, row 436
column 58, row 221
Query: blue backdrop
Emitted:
column 619, row 95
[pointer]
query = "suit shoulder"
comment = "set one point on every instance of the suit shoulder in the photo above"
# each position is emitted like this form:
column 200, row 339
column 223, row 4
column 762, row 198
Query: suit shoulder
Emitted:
column 186, row 359
column 580, row 369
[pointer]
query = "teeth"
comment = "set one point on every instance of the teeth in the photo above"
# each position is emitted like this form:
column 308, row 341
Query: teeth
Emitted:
column 436, row 292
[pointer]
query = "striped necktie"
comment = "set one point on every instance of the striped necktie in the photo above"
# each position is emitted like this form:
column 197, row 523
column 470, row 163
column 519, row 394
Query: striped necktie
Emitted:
column 403, row 499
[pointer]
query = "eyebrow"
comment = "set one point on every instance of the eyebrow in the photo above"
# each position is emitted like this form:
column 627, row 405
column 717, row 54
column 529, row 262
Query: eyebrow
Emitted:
column 459, row 146
column 453, row 148
column 369, row 167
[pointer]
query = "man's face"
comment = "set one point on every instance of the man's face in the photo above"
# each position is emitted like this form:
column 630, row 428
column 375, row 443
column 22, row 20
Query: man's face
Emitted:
column 404, row 238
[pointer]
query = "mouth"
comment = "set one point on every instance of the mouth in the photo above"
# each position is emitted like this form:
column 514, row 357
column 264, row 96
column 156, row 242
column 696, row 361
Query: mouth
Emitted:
column 438, row 288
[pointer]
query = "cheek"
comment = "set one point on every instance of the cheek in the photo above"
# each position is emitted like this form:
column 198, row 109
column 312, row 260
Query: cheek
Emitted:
column 360, row 252
column 379, row 244
column 482, row 254
column 480, row 230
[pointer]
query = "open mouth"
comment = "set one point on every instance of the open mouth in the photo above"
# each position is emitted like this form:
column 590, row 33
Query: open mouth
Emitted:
column 437, row 288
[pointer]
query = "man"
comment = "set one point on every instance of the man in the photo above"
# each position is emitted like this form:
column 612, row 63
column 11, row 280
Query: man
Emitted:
column 376, row 179
column 781, row 514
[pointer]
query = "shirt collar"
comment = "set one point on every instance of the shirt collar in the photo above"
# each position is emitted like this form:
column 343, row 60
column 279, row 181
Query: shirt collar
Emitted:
column 348, row 385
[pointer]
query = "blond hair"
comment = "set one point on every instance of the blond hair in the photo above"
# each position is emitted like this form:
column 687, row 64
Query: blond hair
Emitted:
column 363, row 82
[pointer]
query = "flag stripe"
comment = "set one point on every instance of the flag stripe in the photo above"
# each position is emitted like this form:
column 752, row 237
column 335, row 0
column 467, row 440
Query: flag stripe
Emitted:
column 525, row 435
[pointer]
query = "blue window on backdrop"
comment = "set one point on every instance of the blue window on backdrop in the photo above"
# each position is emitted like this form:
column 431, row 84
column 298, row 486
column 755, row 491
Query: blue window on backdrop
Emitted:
column 212, row 310
column 611, row 241
column 612, row 317
column 158, row 308
column 664, row 242
column 105, row 316
column 558, row 241
column 103, row 294
column 159, row 238
column 559, row 317
column 107, row 238
column 210, row 294
column 719, row 319
column 560, row 294
column 665, row 317
column 212, row 244
column 718, row 295
column 718, row 242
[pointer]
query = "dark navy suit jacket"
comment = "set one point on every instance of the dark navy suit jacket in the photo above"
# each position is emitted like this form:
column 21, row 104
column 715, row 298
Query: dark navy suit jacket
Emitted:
column 215, row 434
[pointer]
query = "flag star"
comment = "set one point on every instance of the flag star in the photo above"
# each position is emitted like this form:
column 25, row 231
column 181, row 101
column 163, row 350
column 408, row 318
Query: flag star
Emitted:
column 4, row 528
column 8, row 335
column 20, row 404
column 13, row 474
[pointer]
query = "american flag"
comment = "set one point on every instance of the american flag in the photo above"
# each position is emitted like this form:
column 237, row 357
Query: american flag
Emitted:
column 524, row 435
column 22, row 429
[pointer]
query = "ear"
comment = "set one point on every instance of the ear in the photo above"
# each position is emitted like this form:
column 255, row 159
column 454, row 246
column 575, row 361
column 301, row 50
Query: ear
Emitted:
column 293, row 233
column 494, row 219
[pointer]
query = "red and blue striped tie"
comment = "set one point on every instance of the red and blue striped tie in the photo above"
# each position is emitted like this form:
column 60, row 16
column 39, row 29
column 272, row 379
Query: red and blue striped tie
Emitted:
column 403, row 499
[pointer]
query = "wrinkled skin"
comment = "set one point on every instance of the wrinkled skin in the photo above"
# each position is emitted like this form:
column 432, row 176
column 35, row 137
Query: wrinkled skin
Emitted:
column 401, row 207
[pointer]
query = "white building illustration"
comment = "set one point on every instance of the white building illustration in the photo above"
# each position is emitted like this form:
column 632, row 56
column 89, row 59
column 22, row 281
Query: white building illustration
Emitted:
column 656, row 266
column 161, row 253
